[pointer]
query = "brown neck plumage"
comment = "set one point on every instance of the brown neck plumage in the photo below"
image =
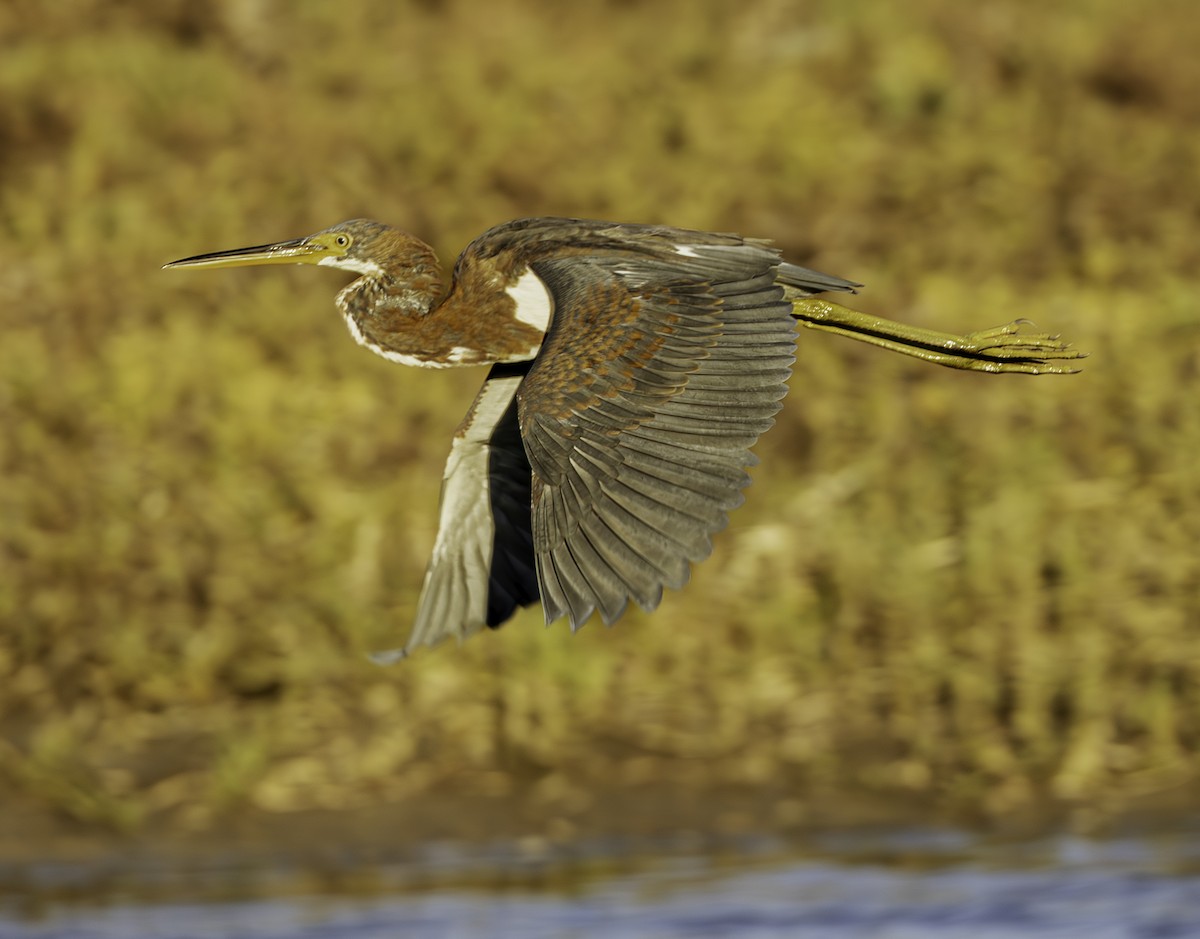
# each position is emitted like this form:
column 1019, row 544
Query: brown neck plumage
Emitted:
column 401, row 309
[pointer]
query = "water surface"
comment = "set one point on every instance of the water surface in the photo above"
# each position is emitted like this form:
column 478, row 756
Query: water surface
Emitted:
column 891, row 884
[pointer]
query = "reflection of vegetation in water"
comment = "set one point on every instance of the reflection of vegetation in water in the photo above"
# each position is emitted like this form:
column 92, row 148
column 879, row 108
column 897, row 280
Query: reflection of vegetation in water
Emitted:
column 213, row 504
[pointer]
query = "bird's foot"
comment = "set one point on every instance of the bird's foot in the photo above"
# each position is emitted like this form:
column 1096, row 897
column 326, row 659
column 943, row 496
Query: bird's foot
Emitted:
column 1009, row 348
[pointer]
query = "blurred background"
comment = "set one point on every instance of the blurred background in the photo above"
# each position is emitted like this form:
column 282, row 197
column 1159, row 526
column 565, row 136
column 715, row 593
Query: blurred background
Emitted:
column 947, row 594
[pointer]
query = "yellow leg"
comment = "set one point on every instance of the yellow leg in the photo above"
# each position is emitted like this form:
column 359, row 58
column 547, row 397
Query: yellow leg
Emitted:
column 1000, row 349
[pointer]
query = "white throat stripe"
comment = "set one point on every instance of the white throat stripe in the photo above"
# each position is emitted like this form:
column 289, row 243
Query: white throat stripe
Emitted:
column 357, row 265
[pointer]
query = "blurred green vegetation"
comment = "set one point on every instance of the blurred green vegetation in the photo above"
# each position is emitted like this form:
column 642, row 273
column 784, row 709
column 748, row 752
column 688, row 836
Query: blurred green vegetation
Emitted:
column 212, row 504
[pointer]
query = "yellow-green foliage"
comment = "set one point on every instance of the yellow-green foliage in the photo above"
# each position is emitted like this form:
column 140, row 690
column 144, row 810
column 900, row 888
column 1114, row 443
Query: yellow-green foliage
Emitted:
column 213, row 505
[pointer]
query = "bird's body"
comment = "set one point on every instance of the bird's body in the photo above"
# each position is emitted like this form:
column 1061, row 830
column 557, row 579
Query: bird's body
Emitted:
column 633, row 368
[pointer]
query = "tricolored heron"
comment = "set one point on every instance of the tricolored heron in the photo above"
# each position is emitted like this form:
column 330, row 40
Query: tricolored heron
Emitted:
column 633, row 368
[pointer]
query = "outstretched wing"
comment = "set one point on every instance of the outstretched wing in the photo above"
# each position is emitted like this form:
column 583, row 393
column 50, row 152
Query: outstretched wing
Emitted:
column 482, row 567
column 658, row 375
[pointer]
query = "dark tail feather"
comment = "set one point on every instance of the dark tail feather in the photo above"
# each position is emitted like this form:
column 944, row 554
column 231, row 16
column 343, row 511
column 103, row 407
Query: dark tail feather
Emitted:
column 810, row 281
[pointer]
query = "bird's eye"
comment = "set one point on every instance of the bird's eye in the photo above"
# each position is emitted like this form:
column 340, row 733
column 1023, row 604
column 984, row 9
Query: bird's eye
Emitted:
column 341, row 241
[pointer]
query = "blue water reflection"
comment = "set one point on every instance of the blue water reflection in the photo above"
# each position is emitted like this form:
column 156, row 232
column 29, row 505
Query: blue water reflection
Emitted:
column 937, row 884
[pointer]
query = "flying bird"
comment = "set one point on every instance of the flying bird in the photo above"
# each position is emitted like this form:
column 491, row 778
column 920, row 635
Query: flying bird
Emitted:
column 633, row 368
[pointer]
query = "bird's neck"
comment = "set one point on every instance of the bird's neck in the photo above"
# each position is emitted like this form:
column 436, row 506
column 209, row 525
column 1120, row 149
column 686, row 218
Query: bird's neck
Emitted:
column 414, row 320
column 387, row 314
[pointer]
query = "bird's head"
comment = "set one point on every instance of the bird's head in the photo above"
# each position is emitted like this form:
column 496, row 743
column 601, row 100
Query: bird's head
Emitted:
column 360, row 246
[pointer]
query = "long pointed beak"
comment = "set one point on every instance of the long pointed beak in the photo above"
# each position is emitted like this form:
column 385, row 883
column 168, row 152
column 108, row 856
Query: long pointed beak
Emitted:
column 298, row 251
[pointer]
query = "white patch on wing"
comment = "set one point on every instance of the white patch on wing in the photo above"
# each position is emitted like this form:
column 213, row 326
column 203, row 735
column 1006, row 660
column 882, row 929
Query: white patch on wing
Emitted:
column 686, row 251
column 454, row 595
column 534, row 304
